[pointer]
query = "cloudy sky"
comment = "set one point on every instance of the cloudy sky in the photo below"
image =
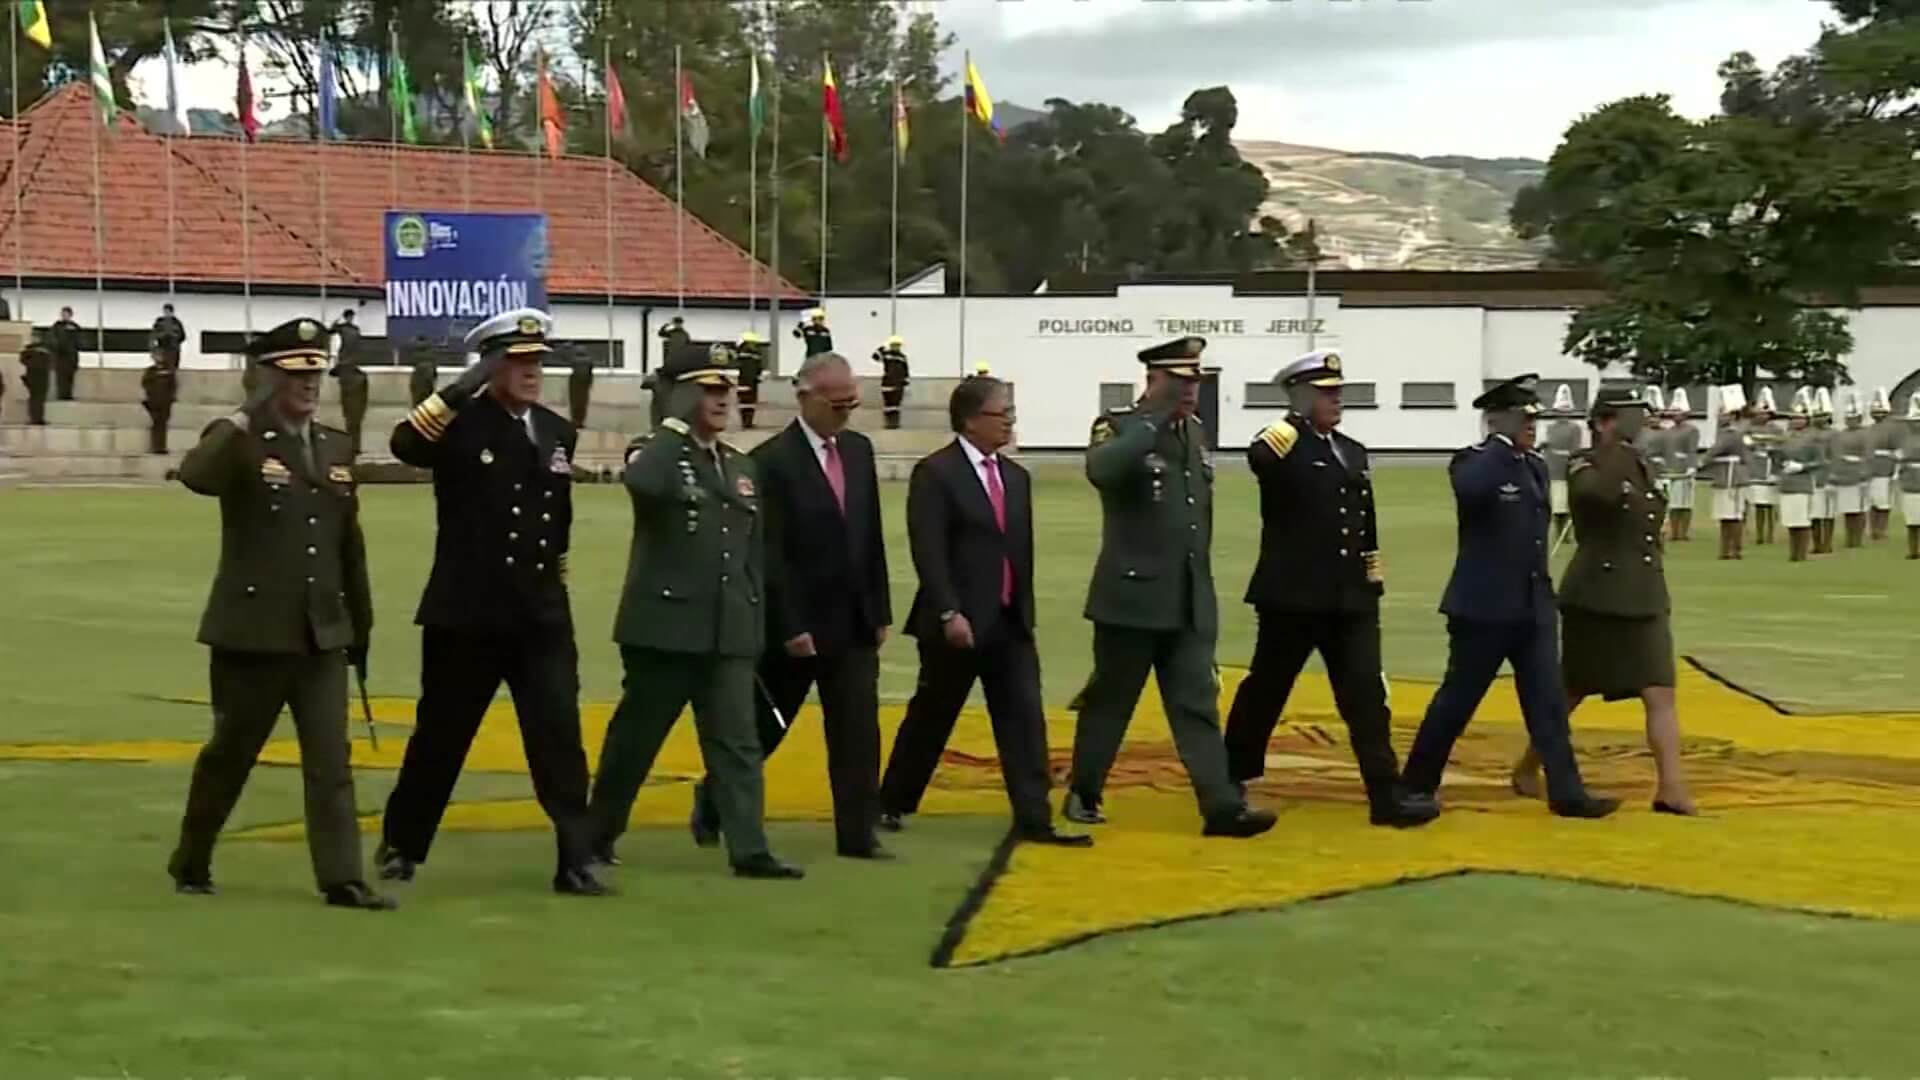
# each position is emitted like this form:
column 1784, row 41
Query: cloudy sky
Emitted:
column 1482, row 77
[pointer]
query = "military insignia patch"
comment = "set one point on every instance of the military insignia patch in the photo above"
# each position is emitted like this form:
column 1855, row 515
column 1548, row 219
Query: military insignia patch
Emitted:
column 274, row 471
column 529, row 325
column 486, row 457
column 309, row 330
column 340, row 474
column 744, row 485
column 1333, row 362
column 560, row 466
column 1102, row 431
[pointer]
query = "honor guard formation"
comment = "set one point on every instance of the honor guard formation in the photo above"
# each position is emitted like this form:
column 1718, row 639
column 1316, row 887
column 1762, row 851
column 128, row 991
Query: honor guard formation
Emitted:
column 756, row 578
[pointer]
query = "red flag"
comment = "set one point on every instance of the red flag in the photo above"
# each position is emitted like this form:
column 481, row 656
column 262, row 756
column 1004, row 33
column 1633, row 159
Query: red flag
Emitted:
column 616, row 103
column 830, row 105
column 243, row 97
column 553, row 122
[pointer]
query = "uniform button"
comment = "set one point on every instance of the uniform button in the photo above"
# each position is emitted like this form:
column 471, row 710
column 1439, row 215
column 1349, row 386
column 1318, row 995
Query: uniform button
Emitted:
column 1189, row 500
column 250, row 590
column 516, row 487
column 546, row 517
column 666, row 594
column 311, row 550
column 509, row 560
column 513, row 536
column 1343, row 510
column 516, row 511
column 539, row 566
column 275, row 507
column 723, row 530
column 1193, row 526
column 1606, row 566
column 726, row 555
column 547, row 494
column 311, row 520
column 1649, row 538
column 1343, row 491
column 1343, row 532
column 543, row 542
column 1646, row 559
column 723, row 579
column 1649, row 515
column 309, row 579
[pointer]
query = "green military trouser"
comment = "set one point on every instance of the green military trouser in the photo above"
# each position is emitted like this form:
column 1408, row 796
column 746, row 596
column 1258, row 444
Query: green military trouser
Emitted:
column 658, row 684
column 579, row 395
column 353, row 409
column 1182, row 662
column 249, row 690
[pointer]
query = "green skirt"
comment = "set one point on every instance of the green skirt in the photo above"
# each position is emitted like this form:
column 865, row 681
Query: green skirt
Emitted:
column 1614, row 656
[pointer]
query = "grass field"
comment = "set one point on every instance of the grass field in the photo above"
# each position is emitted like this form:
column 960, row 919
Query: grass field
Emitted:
column 103, row 972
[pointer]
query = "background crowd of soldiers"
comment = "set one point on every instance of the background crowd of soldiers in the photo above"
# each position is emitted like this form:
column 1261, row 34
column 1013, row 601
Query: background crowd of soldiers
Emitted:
column 1769, row 468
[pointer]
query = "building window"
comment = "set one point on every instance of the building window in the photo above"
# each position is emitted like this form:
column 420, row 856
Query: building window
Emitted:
column 1265, row 395
column 1426, row 395
column 1359, row 395
column 1116, row 395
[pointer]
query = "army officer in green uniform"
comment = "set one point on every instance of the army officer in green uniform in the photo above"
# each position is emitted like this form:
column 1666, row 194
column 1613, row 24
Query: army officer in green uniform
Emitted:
column 290, row 609
column 691, row 622
column 1151, row 601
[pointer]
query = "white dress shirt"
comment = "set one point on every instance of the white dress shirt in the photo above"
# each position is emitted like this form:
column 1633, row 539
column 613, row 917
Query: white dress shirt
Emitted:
column 978, row 460
column 819, row 444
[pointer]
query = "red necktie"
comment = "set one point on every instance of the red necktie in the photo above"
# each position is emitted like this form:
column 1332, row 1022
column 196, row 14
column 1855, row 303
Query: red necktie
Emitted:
column 997, row 495
column 836, row 476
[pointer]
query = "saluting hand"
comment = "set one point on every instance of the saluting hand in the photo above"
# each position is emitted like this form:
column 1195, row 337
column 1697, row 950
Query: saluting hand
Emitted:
column 468, row 383
column 264, row 386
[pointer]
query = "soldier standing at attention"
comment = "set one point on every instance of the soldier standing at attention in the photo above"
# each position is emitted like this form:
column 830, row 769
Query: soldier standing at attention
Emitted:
column 1683, row 454
column 692, row 616
column 290, row 609
column 1826, row 501
column 894, row 375
column 579, row 385
column 64, row 337
column 1909, row 475
column 673, row 335
column 161, row 385
column 352, row 377
column 38, row 363
column 1152, row 601
column 1616, row 640
column 424, row 371
column 1563, row 439
column 1887, row 436
column 1763, row 478
column 169, row 333
column 1799, row 454
column 1727, row 470
column 496, row 605
column 814, row 333
column 1852, row 453
column 1317, row 586
column 1499, row 605
column 751, row 353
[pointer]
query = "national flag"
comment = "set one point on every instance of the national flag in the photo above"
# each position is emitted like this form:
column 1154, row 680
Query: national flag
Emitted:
column 616, row 103
column 243, row 98
column 901, row 136
column 400, row 92
column 979, row 102
column 101, row 76
column 33, row 22
column 175, row 108
column 756, row 100
column 830, row 106
column 482, row 124
column 329, row 95
column 553, row 122
column 692, row 117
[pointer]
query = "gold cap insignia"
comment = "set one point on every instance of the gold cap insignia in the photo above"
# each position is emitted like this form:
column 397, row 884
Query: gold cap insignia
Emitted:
column 1192, row 347
column 1333, row 362
column 720, row 353
column 529, row 324
column 309, row 330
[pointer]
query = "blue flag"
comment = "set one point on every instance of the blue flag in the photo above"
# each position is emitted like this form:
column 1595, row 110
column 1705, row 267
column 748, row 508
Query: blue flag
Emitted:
column 329, row 107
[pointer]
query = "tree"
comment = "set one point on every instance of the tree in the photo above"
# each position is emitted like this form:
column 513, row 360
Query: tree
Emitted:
column 130, row 32
column 508, row 33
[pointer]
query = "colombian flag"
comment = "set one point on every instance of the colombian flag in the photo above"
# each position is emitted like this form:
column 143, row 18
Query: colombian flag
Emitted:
column 33, row 22
column 901, row 135
column 830, row 106
column 979, row 102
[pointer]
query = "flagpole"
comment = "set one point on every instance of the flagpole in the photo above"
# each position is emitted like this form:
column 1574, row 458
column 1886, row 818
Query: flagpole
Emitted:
column 246, row 230
column 893, row 223
column 324, row 120
column 679, row 184
column 606, row 69
column 966, row 131
column 753, row 196
column 773, row 181
column 19, row 248
column 99, row 245
column 174, row 112
column 393, row 123
column 540, row 144
column 824, row 153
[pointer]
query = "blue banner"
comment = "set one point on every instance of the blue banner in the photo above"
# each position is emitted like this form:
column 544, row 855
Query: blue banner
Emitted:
column 447, row 273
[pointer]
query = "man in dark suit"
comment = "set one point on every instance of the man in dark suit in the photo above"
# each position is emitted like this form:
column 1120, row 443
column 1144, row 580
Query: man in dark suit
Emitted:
column 970, row 524
column 828, row 601
column 496, row 605
column 1499, row 604
column 1317, row 585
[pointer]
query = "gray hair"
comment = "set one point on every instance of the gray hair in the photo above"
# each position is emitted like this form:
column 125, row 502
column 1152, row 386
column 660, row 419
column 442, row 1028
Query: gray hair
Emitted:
column 818, row 362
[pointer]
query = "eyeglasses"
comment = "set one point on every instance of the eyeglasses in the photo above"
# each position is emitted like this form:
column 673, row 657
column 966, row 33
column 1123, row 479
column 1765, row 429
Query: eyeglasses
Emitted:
column 998, row 414
column 844, row 404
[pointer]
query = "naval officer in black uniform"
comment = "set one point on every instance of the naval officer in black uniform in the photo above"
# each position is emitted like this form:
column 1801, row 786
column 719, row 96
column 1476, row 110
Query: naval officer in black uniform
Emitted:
column 1317, row 585
column 1499, row 603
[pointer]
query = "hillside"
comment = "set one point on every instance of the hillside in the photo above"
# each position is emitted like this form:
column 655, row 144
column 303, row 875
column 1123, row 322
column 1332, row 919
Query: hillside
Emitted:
column 1380, row 210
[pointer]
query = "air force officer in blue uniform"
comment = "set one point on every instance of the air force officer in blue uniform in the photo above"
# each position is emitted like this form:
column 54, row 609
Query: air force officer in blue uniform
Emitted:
column 1499, row 604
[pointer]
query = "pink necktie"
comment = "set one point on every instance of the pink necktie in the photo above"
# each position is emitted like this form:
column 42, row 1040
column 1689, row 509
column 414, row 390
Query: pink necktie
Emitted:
column 997, row 495
column 836, row 476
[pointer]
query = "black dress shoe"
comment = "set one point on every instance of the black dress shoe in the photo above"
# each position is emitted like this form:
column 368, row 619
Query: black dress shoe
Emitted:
column 579, row 881
column 890, row 821
column 603, row 855
column 1082, row 812
column 1052, row 837
column 189, row 880
column 766, row 866
column 704, row 821
column 355, row 894
column 1406, row 811
column 1241, row 823
column 872, row 851
column 1586, row 806
column 393, row 865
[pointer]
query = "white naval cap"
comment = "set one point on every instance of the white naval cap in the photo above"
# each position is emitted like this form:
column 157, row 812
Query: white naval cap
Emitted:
column 1678, row 403
column 1321, row 367
column 520, row 332
column 1882, row 403
column 1822, row 401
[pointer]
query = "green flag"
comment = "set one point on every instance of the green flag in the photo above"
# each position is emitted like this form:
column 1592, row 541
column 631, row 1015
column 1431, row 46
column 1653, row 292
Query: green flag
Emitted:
column 33, row 23
column 756, row 100
column 402, row 91
column 102, row 81
column 482, row 126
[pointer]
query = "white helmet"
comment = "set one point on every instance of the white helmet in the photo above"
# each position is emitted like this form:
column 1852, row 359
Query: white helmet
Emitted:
column 1803, row 401
column 1822, row 402
column 1656, row 400
column 1882, row 404
column 1733, row 399
column 1563, row 398
column 1678, row 404
column 1913, row 406
column 1765, row 404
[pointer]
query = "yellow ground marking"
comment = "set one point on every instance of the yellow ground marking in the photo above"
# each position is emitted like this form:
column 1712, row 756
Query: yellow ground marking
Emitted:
column 1810, row 812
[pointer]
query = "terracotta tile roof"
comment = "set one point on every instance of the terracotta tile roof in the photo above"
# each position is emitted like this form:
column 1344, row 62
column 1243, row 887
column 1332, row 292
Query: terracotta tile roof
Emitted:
column 283, row 180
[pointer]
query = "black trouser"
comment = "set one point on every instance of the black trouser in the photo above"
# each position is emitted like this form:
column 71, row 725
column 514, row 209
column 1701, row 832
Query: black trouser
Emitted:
column 1475, row 651
column 157, row 434
column 890, row 404
column 37, row 398
column 748, row 395
column 459, row 672
column 1008, row 668
column 353, row 410
column 249, row 690
column 850, row 709
column 1349, row 642
column 65, row 367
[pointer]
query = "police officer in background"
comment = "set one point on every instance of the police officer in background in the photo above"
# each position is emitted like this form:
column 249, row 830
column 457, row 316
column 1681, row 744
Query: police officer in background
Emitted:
column 1852, row 454
column 579, row 385
column 1826, row 499
column 160, row 383
column 352, row 378
column 1151, row 600
column 290, row 608
column 1563, row 439
column 673, row 336
column 37, row 362
column 1727, row 470
column 814, row 333
column 751, row 355
column 1499, row 604
column 64, row 339
column 1317, row 585
column 692, row 615
column 894, row 376
column 496, row 605
column 169, row 333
